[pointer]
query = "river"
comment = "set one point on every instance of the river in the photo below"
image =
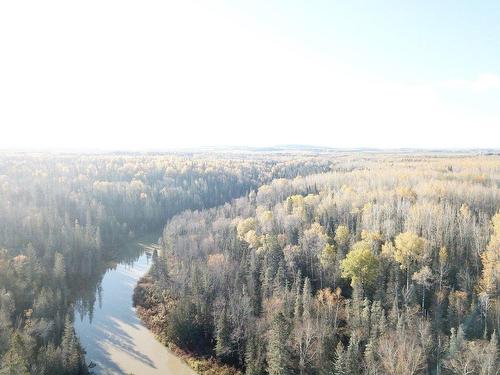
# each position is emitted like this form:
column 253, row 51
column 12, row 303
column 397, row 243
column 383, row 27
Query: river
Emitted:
column 115, row 339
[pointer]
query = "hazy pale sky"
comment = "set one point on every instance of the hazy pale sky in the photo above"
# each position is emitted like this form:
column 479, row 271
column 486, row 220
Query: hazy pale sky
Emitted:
column 160, row 74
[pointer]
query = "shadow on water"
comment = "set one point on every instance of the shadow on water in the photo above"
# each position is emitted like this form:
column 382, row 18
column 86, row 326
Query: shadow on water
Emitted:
column 106, row 322
column 89, row 289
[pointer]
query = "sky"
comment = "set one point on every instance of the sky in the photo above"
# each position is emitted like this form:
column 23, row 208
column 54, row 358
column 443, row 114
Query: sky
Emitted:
column 153, row 75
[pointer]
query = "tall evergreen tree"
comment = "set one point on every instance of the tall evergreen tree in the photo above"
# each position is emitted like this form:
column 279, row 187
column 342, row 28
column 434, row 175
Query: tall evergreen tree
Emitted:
column 340, row 365
column 15, row 361
column 223, row 347
column 278, row 356
column 70, row 349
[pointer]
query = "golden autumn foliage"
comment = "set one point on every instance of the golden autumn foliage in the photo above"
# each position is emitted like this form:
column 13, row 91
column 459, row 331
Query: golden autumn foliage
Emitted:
column 409, row 248
column 490, row 279
column 245, row 225
column 252, row 239
column 327, row 256
column 342, row 235
column 360, row 265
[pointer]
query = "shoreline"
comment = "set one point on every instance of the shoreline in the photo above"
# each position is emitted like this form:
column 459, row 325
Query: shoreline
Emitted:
column 202, row 365
column 116, row 340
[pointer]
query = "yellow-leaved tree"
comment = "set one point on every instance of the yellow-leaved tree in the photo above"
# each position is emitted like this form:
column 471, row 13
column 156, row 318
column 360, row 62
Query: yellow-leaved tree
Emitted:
column 342, row 235
column 360, row 265
column 490, row 279
column 408, row 250
column 246, row 225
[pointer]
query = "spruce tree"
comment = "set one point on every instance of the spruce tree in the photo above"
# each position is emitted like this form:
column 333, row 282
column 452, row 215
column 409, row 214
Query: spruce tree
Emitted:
column 278, row 356
column 340, row 366
column 71, row 354
column 223, row 337
column 15, row 361
column 352, row 353
column 298, row 296
column 307, row 300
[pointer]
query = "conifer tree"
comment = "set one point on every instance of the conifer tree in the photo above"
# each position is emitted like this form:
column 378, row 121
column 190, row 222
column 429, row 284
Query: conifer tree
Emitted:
column 340, row 366
column 352, row 352
column 71, row 352
column 15, row 361
column 278, row 356
column 306, row 300
column 298, row 297
column 223, row 337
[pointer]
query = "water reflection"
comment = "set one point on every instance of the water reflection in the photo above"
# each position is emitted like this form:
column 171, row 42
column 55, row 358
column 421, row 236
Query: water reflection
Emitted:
column 112, row 334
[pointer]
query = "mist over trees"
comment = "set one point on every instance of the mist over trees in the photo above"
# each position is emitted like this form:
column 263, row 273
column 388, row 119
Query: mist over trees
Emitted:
column 65, row 218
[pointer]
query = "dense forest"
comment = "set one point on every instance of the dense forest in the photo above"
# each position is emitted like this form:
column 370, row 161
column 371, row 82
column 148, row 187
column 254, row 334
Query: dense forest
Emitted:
column 387, row 264
column 64, row 218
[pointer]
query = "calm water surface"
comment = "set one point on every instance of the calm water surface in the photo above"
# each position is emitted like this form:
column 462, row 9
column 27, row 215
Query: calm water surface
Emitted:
column 115, row 339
